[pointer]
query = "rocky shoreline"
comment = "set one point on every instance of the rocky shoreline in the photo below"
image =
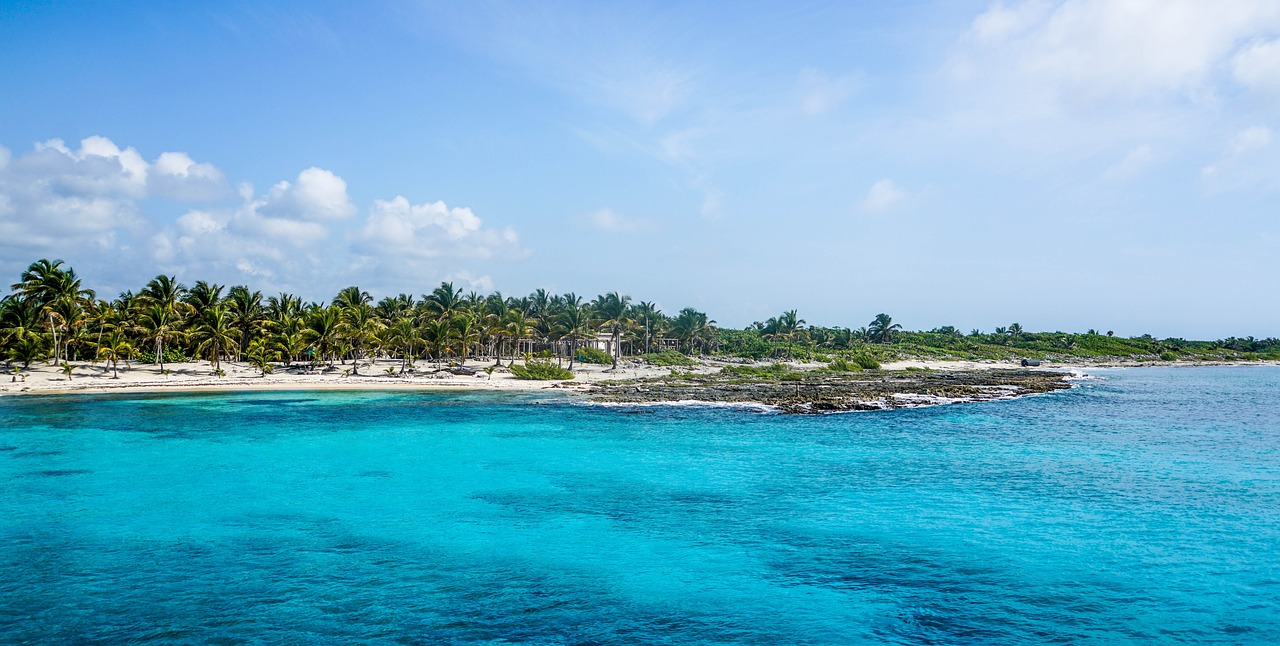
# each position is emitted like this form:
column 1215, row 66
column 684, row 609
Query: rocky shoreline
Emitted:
column 826, row 392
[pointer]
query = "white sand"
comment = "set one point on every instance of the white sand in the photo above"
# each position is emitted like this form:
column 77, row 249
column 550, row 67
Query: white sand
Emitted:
column 97, row 377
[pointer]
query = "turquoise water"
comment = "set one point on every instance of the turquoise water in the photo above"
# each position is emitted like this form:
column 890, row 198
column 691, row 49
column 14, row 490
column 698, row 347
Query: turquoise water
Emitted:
column 1142, row 507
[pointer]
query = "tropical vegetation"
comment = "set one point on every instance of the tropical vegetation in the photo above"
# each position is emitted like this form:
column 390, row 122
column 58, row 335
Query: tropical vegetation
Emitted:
column 49, row 315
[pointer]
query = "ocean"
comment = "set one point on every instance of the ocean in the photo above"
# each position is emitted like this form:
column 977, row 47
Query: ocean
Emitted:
column 1142, row 506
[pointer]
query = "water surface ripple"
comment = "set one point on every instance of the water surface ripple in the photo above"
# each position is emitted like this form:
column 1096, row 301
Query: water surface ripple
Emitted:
column 1142, row 507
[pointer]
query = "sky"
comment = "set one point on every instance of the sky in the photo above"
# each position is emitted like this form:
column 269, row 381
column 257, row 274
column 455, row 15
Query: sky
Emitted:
column 1108, row 164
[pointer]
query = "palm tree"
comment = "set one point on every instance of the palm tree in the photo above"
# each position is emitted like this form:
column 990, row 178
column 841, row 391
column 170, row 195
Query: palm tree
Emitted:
column 437, row 334
column 693, row 327
column 159, row 325
column 610, row 313
column 1015, row 332
column 883, row 329
column 352, row 297
column 26, row 349
column 48, row 283
column 402, row 335
column 247, row 315
column 67, row 370
column 164, row 291
column 467, row 332
column 214, row 335
column 648, row 312
column 322, row 331
column 114, row 348
column 359, row 326
column 203, row 296
column 444, row 301
column 575, row 323
column 259, row 356
column 517, row 327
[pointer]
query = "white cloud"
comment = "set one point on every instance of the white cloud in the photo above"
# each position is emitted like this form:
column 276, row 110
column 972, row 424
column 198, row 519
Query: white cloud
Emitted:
column 481, row 284
column 610, row 221
column 175, row 174
column 1086, row 51
column 820, row 94
column 396, row 227
column 92, row 204
column 317, row 195
column 1257, row 66
column 1136, row 161
column 882, row 196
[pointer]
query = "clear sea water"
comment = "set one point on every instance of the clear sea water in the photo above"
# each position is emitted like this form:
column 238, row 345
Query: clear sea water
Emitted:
column 1143, row 507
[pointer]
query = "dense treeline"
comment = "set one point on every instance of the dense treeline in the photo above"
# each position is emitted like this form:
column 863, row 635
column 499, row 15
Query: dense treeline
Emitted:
column 51, row 316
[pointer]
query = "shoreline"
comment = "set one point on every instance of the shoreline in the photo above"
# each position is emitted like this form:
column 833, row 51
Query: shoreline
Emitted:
column 91, row 379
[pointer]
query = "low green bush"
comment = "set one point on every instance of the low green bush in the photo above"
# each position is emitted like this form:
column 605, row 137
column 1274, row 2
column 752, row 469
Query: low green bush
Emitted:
column 772, row 370
column 1168, row 356
column 171, row 355
column 866, row 362
column 840, row 364
column 667, row 358
column 594, row 355
column 540, row 370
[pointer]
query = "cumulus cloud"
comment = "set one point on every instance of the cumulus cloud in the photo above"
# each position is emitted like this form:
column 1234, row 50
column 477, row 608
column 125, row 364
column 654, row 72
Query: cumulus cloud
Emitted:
column 316, row 195
column 882, row 196
column 431, row 230
column 176, row 175
column 54, row 197
column 92, row 203
column 610, row 221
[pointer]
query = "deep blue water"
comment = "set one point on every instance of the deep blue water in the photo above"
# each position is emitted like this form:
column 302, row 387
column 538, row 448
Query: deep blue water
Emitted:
column 1142, row 507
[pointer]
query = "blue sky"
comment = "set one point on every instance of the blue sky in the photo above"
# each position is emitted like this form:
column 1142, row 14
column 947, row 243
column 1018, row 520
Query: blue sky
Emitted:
column 1085, row 163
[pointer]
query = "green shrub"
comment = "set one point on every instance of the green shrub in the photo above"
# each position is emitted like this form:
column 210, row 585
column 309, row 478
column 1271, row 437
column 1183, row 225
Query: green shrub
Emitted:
column 866, row 362
column 668, row 358
column 840, row 364
column 594, row 355
column 540, row 370
column 171, row 355
column 772, row 370
column 1168, row 356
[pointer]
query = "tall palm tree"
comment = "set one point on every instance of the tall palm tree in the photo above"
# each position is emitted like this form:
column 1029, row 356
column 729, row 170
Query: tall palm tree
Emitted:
column 693, row 327
column 467, row 331
column 323, row 332
column 575, row 323
column 164, row 291
column 518, row 327
column 444, row 301
column 647, row 312
column 610, row 314
column 359, row 326
column 159, row 324
column 351, row 297
column 47, row 283
column 402, row 335
column 883, row 329
column 215, row 335
column 247, row 315
column 202, row 296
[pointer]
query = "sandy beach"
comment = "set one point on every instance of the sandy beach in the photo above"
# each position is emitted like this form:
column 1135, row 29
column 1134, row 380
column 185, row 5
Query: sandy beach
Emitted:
column 88, row 377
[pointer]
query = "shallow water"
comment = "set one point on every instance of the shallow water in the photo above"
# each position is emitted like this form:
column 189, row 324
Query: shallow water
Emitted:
column 1141, row 507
